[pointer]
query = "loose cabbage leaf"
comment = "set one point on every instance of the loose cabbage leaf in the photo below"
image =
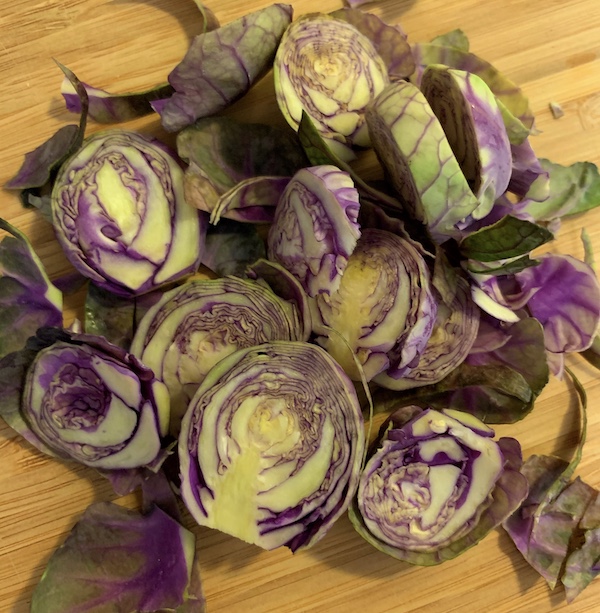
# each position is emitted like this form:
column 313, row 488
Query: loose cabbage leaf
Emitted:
column 237, row 167
column 528, row 179
column 563, row 294
column 454, row 38
column 105, row 107
column 28, row 299
column 220, row 66
column 581, row 566
column 252, row 200
column 555, row 529
column 501, row 267
column 508, row 238
column 573, row 189
column 37, row 174
column 389, row 42
column 117, row 559
column 231, row 246
column 116, row 317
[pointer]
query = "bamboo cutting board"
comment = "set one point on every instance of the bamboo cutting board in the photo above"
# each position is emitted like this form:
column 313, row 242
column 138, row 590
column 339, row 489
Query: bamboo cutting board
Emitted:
column 550, row 47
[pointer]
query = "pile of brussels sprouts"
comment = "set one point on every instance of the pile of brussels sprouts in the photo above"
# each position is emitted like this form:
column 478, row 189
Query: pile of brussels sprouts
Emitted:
column 252, row 302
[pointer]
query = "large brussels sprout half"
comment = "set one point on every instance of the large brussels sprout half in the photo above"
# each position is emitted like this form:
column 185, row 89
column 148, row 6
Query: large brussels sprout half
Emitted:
column 271, row 446
column 197, row 324
column 120, row 214
column 384, row 308
column 90, row 401
column 435, row 485
column 315, row 227
column 327, row 68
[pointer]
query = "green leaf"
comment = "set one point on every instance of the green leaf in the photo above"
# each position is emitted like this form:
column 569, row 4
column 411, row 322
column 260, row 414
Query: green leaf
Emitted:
column 502, row 268
column 508, row 238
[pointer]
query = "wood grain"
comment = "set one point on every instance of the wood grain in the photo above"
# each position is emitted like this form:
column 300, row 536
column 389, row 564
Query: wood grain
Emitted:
column 550, row 47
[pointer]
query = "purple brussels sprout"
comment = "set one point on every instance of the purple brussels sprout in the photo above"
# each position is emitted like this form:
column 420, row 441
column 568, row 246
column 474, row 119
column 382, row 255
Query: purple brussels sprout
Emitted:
column 88, row 400
column 271, row 446
column 384, row 309
column 330, row 70
column 436, row 484
column 472, row 121
column 203, row 321
column 315, row 228
column 452, row 337
column 120, row 214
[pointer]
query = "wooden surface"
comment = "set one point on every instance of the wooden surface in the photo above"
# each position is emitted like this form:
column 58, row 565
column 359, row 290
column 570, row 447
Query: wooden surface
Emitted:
column 550, row 47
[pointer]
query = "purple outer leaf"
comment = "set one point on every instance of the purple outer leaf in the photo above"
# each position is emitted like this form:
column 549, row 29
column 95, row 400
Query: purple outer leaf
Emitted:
column 572, row 189
column 37, row 174
column 582, row 564
column 145, row 563
column 28, row 299
column 231, row 246
column 564, row 295
column 505, row 90
column 454, row 38
column 223, row 153
column 528, row 178
column 315, row 229
column 389, row 42
column 105, row 107
column 398, row 446
column 252, row 200
column 39, row 163
column 114, row 317
column 220, row 66
column 545, row 526
column 542, row 531
column 228, row 151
